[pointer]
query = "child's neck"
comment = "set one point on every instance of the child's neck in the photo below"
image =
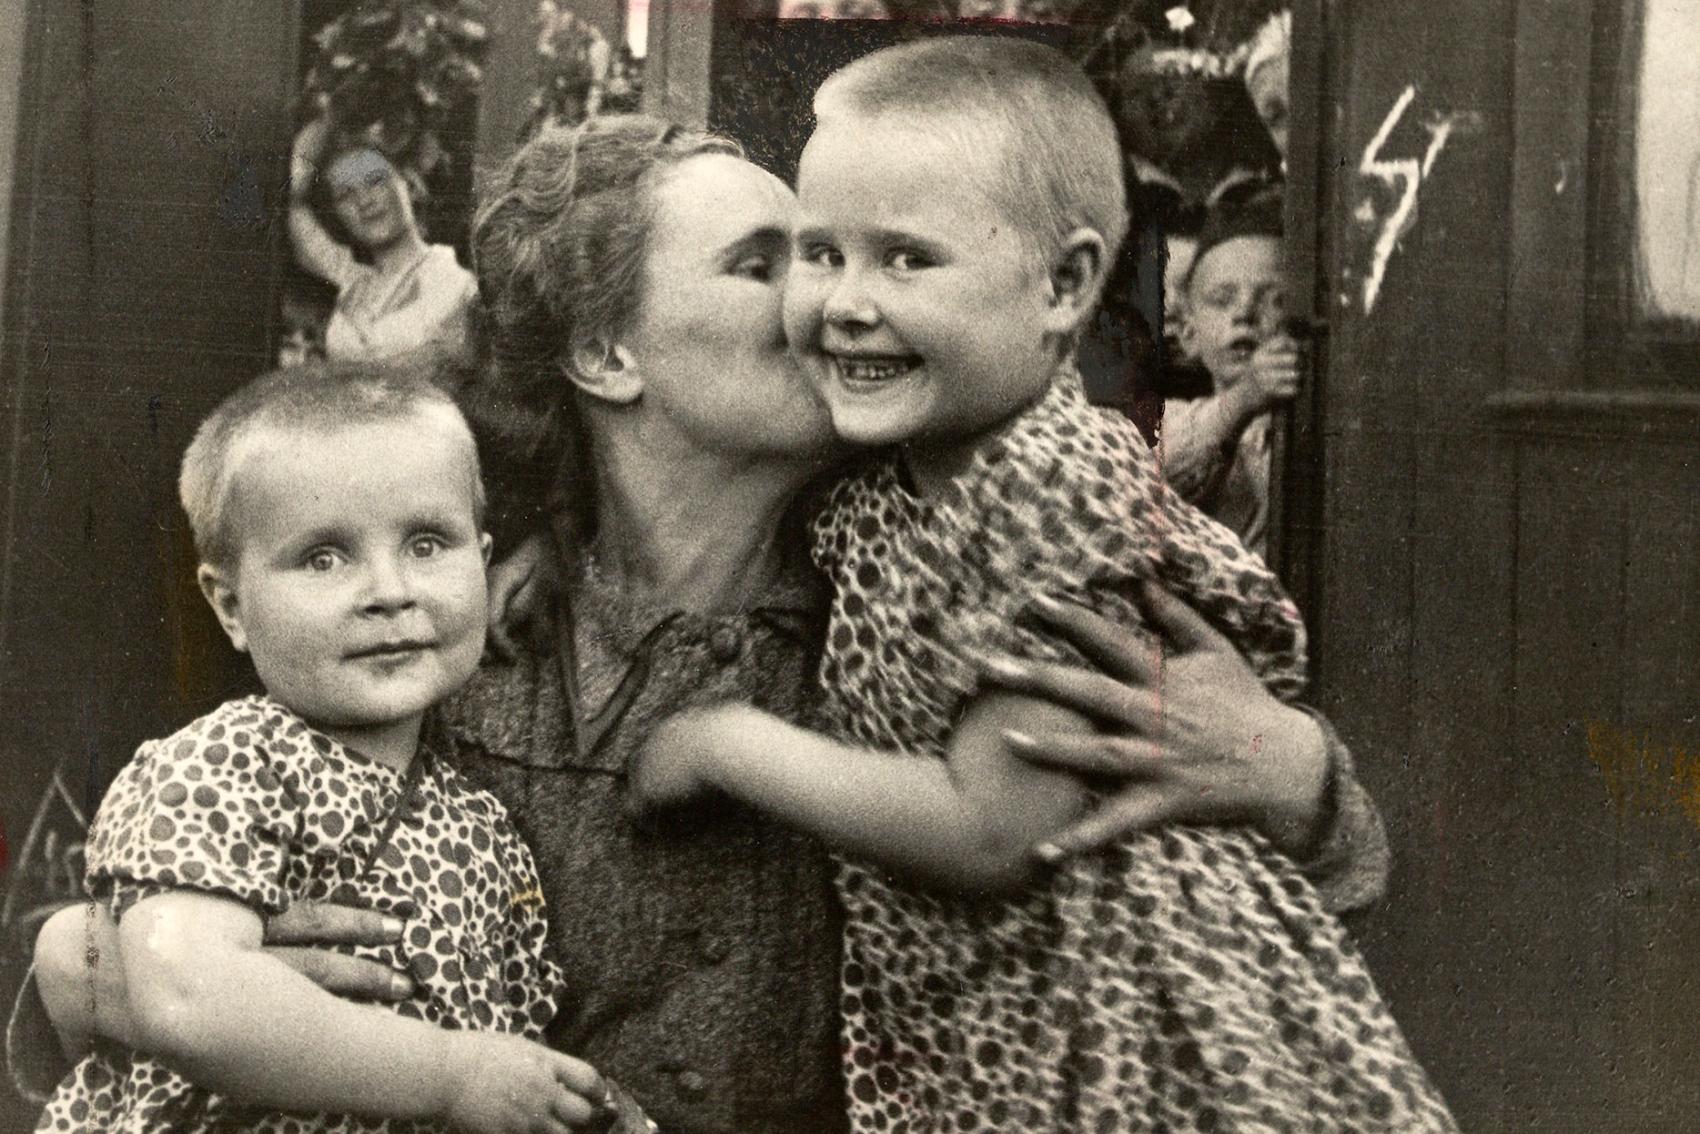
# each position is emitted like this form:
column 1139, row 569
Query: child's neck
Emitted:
column 934, row 463
column 393, row 744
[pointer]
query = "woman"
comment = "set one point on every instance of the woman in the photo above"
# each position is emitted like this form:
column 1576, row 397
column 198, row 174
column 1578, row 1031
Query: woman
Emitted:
column 630, row 275
column 395, row 292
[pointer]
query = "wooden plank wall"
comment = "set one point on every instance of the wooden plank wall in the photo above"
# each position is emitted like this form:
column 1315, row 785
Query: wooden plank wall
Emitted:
column 143, row 255
column 1493, row 585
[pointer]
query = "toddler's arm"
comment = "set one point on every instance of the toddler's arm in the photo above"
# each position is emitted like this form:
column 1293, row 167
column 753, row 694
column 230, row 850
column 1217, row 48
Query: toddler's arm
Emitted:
column 205, row 999
column 966, row 823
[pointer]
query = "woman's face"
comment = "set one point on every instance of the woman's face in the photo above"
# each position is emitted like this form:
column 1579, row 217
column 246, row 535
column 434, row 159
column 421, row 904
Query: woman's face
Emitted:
column 369, row 198
column 708, row 341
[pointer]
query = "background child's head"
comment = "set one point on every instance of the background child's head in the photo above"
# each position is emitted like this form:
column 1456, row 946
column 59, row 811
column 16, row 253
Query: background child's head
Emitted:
column 1236, row 287
column 338, row 513
column 961, row 200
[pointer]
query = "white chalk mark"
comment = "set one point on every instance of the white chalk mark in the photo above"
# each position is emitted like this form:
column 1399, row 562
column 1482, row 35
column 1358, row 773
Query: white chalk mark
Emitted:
column 1405, row 176
column 1402, row 175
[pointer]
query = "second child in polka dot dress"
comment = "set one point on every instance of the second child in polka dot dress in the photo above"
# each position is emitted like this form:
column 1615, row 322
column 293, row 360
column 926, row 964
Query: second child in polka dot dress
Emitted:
column 338, row 517
column 960, row 200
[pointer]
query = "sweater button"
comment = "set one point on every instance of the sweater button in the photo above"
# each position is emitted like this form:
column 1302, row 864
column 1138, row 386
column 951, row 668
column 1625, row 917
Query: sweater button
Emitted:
column 692, row 1085
column 715, row 949
column 725, row 644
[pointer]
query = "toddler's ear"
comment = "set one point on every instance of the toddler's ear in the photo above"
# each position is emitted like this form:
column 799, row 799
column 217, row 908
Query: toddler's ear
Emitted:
column 220, row 593
column 1077, row 278
column 485, row 543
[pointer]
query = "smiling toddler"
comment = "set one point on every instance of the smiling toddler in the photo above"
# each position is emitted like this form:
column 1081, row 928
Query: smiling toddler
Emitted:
column 338, row 514
column 960, row 199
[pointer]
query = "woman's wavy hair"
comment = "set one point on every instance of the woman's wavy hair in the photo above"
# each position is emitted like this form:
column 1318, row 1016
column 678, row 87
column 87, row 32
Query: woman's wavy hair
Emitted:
column 559, row 246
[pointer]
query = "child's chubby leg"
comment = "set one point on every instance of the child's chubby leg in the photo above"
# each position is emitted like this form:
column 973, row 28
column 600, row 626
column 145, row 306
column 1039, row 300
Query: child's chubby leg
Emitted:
column 206, row 998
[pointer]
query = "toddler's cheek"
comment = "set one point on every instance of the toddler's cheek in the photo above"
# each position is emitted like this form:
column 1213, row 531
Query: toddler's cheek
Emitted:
column 802, row 314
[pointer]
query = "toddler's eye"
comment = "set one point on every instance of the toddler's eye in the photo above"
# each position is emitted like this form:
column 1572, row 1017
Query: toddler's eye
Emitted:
column 424, row 547
column 321, row 559
column 907, row 261
column 822, row 256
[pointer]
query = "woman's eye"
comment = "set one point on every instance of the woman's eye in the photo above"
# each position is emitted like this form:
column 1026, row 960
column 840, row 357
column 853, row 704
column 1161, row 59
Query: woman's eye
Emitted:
column 424, row 547
column 754, row 267
column 321, row 560
column 906, row 261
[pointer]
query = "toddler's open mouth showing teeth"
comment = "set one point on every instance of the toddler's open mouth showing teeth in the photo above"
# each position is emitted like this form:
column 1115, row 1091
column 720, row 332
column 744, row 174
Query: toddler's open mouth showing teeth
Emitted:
column 872, row 369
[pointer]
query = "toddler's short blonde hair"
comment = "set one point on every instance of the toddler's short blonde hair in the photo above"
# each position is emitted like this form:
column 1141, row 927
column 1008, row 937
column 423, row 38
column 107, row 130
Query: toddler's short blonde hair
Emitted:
column 317, row 397
column 1056, row 161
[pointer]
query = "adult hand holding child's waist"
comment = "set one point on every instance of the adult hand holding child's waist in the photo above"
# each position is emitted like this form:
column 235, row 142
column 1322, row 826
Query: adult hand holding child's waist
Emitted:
column 1191, row 729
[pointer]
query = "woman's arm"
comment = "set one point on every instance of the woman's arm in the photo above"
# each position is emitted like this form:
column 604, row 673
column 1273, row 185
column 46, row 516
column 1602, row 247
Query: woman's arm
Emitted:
column 80, row 981
column 965, row 823
column 315, row 251
column 207, row 1000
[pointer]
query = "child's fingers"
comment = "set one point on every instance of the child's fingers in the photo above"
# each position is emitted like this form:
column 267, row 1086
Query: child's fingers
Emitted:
column 1117, row 650
column 1135, row 809
column 344, row 975
column 1088, row 754
column 579, row 1077
column 574, row 1112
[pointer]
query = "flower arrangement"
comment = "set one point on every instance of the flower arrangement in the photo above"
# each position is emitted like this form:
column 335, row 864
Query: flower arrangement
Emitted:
column 395, row 70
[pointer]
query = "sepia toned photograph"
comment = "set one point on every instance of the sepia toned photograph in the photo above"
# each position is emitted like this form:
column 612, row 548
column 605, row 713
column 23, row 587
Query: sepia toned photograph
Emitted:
column 850, row 566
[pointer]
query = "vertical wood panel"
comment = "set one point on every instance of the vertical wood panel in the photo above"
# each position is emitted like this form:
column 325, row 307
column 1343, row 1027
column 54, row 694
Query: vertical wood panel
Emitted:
column 140, row 288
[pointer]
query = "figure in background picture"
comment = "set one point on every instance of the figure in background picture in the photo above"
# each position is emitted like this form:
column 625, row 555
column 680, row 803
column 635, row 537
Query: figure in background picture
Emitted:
column 351, row 224
column 959, row 201
column 1215, row 448
column 338, row 515
column 1266, row 77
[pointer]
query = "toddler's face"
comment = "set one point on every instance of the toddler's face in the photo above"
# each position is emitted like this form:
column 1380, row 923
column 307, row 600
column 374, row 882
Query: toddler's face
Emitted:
column 916, row 305
column 359, row 586
column 1237, row 299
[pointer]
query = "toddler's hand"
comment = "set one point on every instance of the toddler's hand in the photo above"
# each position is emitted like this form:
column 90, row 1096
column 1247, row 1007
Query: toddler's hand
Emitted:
column 673, row 766
column 1273, row 373
column 502, row 1084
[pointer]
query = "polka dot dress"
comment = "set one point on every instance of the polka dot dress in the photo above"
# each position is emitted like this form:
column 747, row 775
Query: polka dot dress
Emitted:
column 251, row 803
column 1186, row 979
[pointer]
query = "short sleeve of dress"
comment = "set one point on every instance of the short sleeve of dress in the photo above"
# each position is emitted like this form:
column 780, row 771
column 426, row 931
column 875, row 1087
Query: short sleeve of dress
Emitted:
column 533, row 984
column 200, row 810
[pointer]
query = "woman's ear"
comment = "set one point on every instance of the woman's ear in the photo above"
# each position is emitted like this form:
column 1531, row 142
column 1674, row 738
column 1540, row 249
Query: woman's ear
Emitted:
column 603, row 369
column 1077, row 278
column 220, row 592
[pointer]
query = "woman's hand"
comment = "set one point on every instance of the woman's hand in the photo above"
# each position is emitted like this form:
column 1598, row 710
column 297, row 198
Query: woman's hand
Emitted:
column 302, row 938
column 502, row 1084
column 1189, row 727
column 516, row 586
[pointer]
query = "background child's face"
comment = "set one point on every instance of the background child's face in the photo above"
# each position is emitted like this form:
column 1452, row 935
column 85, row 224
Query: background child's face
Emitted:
column 914, row 302
column 359, row 585
column 1238, row 298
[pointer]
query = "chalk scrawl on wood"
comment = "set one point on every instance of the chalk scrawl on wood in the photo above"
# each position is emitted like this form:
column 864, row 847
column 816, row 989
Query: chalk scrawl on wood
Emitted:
column 1404, row 177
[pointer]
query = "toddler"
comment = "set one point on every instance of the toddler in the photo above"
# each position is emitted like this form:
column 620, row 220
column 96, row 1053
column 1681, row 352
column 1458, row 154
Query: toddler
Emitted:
column 1215, row 449
column 960, row 198
column 338, row 517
